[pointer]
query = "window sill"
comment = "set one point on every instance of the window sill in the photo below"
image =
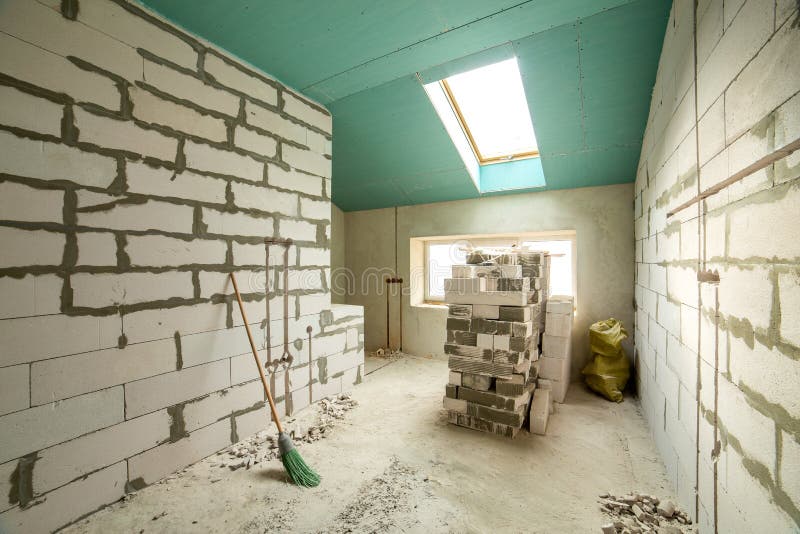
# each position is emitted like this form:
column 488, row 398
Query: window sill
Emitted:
column 431, row 305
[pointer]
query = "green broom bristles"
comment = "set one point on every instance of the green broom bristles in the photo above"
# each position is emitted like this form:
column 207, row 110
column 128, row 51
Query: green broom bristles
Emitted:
column 300, row 473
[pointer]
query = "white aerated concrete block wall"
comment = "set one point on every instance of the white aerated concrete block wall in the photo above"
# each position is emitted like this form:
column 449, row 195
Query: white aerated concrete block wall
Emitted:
column 726, row 355
column 138, row 167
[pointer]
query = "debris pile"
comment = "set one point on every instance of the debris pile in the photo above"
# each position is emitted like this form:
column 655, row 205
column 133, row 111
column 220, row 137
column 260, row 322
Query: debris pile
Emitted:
column 496, row 311
column 263, row 446
column 637, row 513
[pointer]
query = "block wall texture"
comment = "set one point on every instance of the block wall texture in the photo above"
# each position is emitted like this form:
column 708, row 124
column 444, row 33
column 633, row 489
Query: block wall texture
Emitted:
column 138, row 167
column 718, row 365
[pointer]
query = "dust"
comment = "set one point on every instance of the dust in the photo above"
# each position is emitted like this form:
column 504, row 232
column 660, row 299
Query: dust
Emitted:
column 382, row 503
column 281, row 520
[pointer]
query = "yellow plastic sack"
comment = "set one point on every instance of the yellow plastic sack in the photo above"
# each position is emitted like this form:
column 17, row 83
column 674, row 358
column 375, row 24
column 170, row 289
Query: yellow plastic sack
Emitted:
column 609, row 370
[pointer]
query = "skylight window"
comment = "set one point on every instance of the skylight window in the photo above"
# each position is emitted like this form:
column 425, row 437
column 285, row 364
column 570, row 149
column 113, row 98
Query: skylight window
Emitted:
column 491, row 107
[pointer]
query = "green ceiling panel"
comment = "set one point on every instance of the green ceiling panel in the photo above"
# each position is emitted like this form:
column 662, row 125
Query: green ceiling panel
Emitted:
column 588, row 68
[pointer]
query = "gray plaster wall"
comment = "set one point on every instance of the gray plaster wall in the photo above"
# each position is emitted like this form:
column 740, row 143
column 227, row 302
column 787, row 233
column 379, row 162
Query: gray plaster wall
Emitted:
column 600, row 216
column 338, row 253
column 718, row 365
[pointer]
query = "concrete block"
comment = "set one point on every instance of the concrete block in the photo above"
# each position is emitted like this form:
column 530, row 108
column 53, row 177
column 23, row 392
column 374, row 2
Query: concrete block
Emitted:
column 238, row 79
column 499, row 298
column 68, row 376
column 465, row 285
column 319, row 143
column 23, row 342
column 46, row 28
column 294, row 180
column 559, row 390
column 540, row 411
column 111, row 289
column 30, row 295
column 237, row 224
column 186, row 185
column 51, row 161
column 460, row 311
column 558, row 324
column 298, row 230
column 71, row 460
column 137, row 32
column 752, row 228
column 156, row 463
column 476, row 381
column 14, row 390
column 205, row 347
column 151, row 215
column 755, row 431
column 480, row 366
column 63, row 420
column 746, row 293
column 152, row 109
column 313, row 304
column 489, row 326
column 682, row 285
column 504, row 417
column 97, row 249
column 264, row 199
column 150, row 394
column 159, row 324
column 454, row 405
column 767, row 372
column 560, row 305
column 300, row 109
column 28, row 112
column 315, row 209
column 484, row 311
column 162, row 251
column 789, row 295
column 190, row 88
column 516, row 313
column 246, row 254
column 123, row 135
column 739, row 44
column 501, row 342
column 206, row 158
column 253, row 141
column 485, row 341
column 493, row 400
column 274, row 123
column 315, row 256
column 222, row 404
column 523, row 330
column 508, row 284
column 22, row 203
column 486, row 271
column 30, row 63
column 464, row 338
column 306, row 160
column 454, row 378
column 352, row 338
column 790, row 466
column 69, row 503
column 556, row 346
column 741, row 113
column 467, row 351
column 554, row 368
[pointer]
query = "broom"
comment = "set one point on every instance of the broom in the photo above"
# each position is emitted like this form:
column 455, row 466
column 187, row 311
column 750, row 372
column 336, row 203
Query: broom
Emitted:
column 300, row 473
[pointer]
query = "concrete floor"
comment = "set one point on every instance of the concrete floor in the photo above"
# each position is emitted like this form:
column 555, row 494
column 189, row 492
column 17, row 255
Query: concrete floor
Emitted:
column 394, row 464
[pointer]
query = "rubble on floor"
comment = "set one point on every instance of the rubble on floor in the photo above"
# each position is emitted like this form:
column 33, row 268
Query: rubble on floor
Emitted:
column 636, row 513
column 263, row 446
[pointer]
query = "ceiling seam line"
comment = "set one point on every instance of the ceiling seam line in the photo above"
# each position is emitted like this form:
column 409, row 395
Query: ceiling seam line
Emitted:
column 580, row 84
column 417, row 42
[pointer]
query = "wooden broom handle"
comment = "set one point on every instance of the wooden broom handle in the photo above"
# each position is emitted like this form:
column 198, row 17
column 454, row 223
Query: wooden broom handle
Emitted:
column 255, row 355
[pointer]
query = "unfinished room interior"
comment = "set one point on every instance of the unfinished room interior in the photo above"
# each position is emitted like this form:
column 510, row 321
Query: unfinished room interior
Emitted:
column 476, row 266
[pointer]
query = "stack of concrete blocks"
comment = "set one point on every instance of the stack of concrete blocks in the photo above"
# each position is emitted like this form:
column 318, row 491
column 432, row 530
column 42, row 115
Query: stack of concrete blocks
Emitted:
column 553, row 367
column 139, row 166
column 492, row 339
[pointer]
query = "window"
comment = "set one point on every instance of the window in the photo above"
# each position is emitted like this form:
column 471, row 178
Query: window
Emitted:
column 491, row 108
column 442, row 253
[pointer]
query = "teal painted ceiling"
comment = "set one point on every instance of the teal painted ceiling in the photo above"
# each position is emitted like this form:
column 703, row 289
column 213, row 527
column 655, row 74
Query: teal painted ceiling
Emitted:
column 588, row 67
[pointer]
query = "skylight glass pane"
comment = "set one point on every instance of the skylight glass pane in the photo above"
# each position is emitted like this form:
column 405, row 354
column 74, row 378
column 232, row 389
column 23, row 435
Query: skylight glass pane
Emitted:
column 492, row 103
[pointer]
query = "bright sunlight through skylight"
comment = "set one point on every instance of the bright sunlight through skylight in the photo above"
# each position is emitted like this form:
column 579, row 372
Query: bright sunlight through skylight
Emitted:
column 490, row 103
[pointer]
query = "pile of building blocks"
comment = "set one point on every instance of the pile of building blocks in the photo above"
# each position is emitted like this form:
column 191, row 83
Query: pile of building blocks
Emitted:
column 554, row 365
column 493, row 327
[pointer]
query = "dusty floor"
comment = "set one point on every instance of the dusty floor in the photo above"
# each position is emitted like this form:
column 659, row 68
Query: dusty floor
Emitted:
column 394, row 464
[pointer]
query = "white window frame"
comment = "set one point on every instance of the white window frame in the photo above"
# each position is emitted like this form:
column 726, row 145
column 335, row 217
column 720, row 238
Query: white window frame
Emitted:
column 489, row 240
